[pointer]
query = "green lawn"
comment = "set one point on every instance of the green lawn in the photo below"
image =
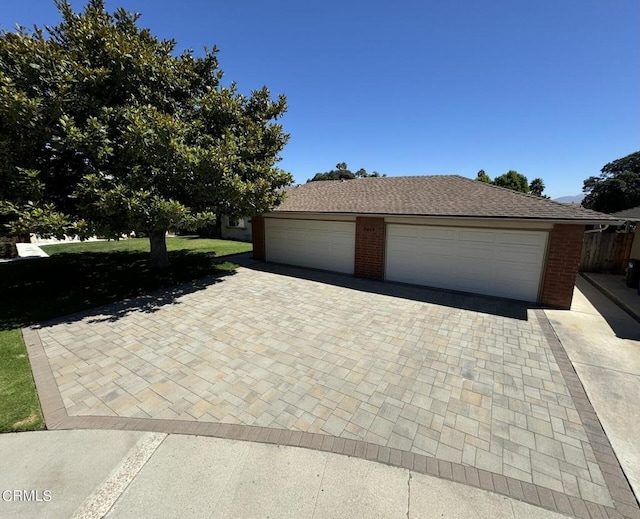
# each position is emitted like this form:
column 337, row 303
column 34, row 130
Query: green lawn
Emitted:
column 19, row 406
column 78, row 276
column 181, row 243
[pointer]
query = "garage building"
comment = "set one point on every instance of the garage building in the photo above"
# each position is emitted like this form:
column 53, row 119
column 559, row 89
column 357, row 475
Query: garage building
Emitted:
column 442, row 231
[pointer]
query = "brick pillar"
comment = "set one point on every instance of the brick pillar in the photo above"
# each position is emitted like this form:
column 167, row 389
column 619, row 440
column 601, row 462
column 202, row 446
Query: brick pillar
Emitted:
column 563, row 261
column 257, row 233
column 369, row 260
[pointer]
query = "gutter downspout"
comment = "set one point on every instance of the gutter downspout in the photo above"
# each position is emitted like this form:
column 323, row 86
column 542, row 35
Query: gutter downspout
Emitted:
column 598, row 230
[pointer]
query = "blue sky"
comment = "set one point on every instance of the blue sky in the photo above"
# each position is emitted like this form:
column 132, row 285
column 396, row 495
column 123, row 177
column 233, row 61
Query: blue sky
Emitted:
column 550, row 88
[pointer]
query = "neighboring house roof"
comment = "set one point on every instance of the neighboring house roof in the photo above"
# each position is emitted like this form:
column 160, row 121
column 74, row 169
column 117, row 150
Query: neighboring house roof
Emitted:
column 628, row 214
column 437, row 195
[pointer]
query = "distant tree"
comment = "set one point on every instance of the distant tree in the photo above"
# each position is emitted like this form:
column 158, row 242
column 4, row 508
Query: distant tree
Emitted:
column 512, row 180
column 536, row 187
column 105, row 129
column 515, row 181
column 362, row 173
column 334, row 174
column 342, row 172
column 483, row 177
column 616, row 188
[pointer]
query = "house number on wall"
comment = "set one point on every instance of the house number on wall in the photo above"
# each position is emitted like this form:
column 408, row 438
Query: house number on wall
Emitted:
column 369, row 229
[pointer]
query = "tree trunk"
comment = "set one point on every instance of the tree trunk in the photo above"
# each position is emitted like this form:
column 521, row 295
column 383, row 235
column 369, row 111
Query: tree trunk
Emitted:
column 217, row 227
column 159, row 255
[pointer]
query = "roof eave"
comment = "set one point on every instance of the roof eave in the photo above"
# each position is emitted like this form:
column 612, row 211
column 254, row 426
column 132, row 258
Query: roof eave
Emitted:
column 575, row 221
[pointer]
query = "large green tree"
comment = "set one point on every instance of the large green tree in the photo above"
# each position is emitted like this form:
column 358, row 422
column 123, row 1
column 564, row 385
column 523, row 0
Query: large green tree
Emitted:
column 515, row 181
column 536, row 187
column 105, row 129
column 512, row 180
column 342, row 172
column 616, row 188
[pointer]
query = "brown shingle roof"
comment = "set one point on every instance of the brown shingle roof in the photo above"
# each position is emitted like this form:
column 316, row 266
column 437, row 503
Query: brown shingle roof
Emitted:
column 437, row 195
column 628, row 214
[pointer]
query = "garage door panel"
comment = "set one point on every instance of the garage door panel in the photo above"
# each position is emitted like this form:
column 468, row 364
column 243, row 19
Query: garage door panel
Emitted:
column 520, row 256
column 408, row 231
column 434, row 233
column 341, row 240
column 522, row 276
column 405, row 261
column 530, row 239
column 476, row 236
column 436, row 267
column 472, row 284
column 282, row 226
column 403, row 248
column 404, row 243
column 503, row 263
column 312, row 225
column 317, row 238
column 436, row 247
column 472, row 269
column 473, row 254
column 311, row 243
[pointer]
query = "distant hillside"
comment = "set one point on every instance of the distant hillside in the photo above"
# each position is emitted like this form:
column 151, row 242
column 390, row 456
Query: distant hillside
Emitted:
column 570, row 199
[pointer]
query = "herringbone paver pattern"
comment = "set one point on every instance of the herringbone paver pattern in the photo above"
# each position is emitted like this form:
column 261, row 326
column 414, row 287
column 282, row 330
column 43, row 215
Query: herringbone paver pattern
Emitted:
column 259, row 348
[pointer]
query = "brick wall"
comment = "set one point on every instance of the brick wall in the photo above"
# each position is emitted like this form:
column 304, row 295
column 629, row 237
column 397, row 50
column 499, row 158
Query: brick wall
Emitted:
column 563, row 260
column 257, row 232
column 369, row 254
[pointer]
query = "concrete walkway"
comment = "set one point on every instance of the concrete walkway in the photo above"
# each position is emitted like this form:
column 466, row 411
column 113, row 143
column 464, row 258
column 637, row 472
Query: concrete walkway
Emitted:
column 30, row 250
column 468, row 389
column 615, row 288
column 26, row 251
column 125, row 474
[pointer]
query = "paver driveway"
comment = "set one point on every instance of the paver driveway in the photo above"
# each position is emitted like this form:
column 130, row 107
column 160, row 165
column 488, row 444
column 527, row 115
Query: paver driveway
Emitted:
column 272, row 346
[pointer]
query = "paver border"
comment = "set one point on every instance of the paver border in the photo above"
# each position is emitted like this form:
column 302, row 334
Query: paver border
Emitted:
column 625, row 503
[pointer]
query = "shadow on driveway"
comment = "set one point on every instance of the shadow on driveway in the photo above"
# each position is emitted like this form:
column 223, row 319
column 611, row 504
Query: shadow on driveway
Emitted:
column 153, row 301
column 622, row 324
column 146, row 303
column 68, row 287
column 449, row 298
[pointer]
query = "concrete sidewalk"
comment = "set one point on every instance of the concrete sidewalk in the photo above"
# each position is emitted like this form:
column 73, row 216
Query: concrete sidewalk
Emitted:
column 30, row 250
column 615, row 288
column 26, row 251
column 121, row 474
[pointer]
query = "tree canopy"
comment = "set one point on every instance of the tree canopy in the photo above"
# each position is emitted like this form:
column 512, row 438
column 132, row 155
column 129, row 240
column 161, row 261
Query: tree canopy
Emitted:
column 343, row 172
column 515, row 181
column 104, row 129
column 536, row 187
column 483, row 177
column 512, row 180
column 616, row 188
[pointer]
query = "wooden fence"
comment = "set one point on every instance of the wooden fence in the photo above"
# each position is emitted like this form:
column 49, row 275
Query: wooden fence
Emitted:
column 606, row 252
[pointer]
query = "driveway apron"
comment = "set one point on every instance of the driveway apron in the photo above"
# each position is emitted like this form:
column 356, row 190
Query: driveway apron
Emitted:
column 467, row 388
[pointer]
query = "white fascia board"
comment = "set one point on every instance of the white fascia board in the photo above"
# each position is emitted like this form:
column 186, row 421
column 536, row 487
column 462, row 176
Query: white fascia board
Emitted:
column 390, row 217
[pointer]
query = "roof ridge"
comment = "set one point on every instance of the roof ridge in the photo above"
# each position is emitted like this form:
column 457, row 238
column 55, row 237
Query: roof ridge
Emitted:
column 529, row 195
column 432, row 195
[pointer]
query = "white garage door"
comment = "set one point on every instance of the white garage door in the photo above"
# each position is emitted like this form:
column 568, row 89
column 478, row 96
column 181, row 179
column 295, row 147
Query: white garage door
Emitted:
column 493, row 262
column 311, row 243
